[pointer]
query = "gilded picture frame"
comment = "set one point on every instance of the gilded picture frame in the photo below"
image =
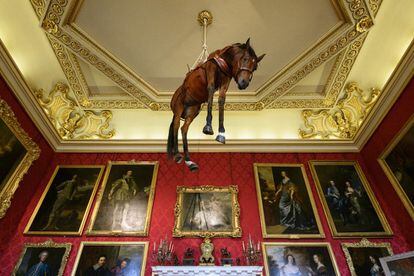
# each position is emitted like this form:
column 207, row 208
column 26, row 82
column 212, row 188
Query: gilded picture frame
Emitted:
column 313, row 246
column 29, row 231
column 382, row 221
column 108, row 244
column 46, row 244
column 320, row 233
column 194, row 194
column 408, row 204
column 12, row 181
column 103, row 190
column 364, row 243
column 399, row 264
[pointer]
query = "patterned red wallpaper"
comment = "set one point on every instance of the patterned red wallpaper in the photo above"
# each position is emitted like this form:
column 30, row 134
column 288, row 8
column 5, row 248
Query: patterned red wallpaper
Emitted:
column 216, row 169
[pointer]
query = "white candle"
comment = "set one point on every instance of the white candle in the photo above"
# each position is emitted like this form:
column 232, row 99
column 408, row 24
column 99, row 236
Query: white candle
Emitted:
column 244, row 248
column 154, row 245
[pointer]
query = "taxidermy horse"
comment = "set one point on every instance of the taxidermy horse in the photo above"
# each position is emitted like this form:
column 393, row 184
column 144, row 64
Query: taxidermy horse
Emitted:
column 237, row 61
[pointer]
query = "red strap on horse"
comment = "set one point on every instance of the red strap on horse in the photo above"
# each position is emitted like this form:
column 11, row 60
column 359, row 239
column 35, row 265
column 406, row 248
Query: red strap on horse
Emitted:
column 222, row 64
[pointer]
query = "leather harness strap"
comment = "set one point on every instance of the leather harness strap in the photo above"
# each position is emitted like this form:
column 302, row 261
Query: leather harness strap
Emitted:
column 221, row 63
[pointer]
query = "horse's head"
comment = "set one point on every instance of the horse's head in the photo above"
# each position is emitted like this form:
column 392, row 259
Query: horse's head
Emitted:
column 246, row 65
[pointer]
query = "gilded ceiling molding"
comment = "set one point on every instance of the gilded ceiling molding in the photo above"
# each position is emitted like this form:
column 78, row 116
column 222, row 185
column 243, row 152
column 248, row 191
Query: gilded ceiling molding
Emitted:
column 343, row 120
column 32, row 154
column 71, row 122
column 56, row 23
column 375, row 5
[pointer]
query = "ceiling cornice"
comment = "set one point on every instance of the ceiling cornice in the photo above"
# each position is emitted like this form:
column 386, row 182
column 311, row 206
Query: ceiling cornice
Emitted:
column 389, row 95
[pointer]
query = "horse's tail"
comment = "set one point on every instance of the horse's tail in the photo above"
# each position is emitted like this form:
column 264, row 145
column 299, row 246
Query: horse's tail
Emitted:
column 170, row 144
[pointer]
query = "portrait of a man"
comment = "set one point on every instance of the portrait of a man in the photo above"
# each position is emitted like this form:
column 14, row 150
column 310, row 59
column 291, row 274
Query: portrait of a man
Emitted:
column 111, row 259
column 348, row 200
column 125, row 200
column 43, row 259
column 297, row 259
column 286, row 203
column 66, row 201
column 206, row 210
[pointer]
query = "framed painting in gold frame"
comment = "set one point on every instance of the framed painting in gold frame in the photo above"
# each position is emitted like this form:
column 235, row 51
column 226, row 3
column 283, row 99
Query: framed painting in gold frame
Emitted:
column 207, row 211
column 397, row 161
column 299, row 258
column 125, row 199
column 65, row 203
column 54, row 257
column 348, row 201
column 17, row 153
column 363, row 257
column 130, row 255
column 286, row 204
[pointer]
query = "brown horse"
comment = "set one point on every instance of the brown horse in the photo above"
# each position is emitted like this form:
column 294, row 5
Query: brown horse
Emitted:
column 237, row 61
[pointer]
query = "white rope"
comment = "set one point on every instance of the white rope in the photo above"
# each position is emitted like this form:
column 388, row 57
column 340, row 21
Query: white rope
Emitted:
column 204, row 52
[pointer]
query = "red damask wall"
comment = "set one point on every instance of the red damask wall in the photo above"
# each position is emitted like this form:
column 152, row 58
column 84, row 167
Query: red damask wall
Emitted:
column 216, row 169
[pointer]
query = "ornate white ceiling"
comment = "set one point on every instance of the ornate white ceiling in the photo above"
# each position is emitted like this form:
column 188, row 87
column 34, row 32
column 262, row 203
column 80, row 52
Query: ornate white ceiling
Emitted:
column 129, row 56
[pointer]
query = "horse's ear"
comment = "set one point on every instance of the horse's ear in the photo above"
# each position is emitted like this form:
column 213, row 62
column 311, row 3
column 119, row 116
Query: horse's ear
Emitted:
column 260, row 58
column 248, row 42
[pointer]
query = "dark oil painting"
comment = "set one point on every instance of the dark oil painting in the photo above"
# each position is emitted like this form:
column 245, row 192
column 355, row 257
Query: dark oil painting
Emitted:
column 366, row 259
column 299, row 260
column 285, row 200
column 124, row 204
column 12, row 153
column 402, row 267
column 210, row 211
column 66, row 201
column 43, row 260
column 401, row 162
column 347, row 199
column 111, row 259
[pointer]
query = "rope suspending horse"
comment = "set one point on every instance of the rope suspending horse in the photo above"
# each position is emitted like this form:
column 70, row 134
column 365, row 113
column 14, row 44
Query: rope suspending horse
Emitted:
column 237, row 61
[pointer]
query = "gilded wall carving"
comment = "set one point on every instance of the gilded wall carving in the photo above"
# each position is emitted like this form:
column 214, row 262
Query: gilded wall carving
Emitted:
column 343, row 120
column 71, row 122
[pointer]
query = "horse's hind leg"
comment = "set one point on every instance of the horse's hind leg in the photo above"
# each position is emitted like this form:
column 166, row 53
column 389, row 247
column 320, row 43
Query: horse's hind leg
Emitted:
column 176, row 124
column 191, row 113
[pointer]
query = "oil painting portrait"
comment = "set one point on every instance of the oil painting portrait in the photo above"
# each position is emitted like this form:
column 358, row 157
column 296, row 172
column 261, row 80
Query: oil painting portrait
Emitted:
column 285, row 201
column 299, row 259
column 65, row 203
column 12, row 153
column 350, row 205
column 207, row 210
column 398, row 163
column 125, row 199
column 111, row 258
column 47, row 258
column 17, row 153
column 363, row 257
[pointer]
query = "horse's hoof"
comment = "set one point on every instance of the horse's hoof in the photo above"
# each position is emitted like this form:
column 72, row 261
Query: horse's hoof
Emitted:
column 193, row 167
column 208, row 130
column 178, row 158
column 221, row 139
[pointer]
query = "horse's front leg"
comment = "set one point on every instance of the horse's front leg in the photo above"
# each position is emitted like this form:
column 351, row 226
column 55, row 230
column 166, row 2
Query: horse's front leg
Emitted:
column 208, row 129
column 221, row 137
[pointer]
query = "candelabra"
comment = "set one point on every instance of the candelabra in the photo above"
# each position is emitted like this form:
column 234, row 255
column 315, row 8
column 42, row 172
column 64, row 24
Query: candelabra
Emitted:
column 252, row 253
column 165, row 252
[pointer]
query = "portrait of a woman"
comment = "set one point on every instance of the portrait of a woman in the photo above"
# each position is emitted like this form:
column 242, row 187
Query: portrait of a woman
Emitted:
column 290, row 268
column 290, row 208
